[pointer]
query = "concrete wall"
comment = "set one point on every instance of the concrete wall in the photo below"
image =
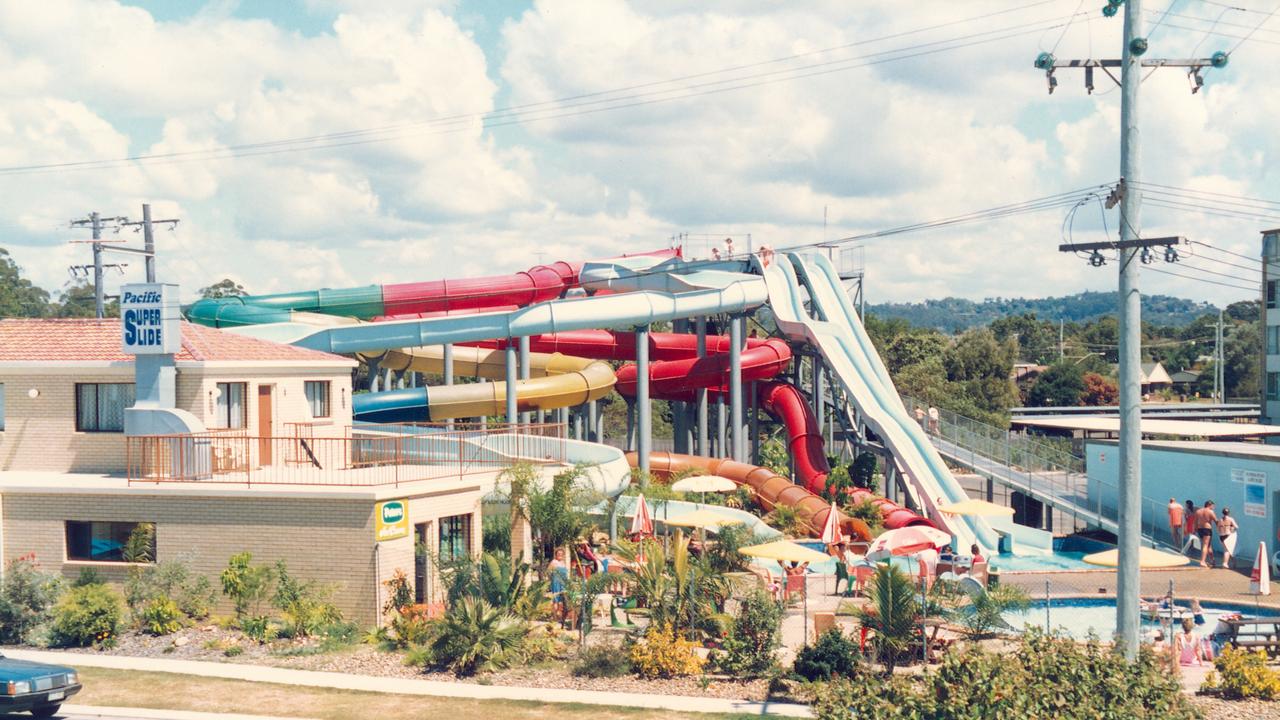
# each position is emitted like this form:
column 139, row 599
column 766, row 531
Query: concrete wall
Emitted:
column 1194, row 474
column 40, row 433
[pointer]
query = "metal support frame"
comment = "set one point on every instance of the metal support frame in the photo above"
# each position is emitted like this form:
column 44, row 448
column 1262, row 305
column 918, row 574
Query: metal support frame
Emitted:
column 736, row 339
column 703, row 439
column 644, row 408
column 512, row 372
column 525, row 417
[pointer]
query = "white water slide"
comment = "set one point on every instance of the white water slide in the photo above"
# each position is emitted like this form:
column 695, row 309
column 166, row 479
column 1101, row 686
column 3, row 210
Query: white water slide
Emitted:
column 836, row 331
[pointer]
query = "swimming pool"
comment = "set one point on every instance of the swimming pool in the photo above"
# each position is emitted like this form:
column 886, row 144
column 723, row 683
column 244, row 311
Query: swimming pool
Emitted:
column 1068, row 555
column 1078, row 617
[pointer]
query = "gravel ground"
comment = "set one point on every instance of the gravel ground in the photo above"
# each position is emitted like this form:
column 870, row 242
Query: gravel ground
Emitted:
column 211, row 643
column 1217, row 709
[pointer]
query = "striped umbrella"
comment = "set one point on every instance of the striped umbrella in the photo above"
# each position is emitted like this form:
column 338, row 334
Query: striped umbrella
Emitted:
column 831, row 532
column 641, row 523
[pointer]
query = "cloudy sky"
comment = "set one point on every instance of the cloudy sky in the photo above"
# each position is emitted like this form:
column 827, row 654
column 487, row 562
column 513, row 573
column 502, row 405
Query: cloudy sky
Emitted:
column 321, row 143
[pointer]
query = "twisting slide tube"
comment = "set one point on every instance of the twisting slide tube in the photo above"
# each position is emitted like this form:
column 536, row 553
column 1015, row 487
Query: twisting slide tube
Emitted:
column 770, row 489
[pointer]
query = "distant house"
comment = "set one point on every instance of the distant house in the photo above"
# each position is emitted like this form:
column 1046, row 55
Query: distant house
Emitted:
column 1025, row 371
column 1184, row 380
column 1155, row 378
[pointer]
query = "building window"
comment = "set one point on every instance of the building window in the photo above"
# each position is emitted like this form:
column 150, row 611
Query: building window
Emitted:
column 100, row 406
column 230, row 411
column 1271, row 294
column 317, row 392
column 1273, row 386
column 455, row 537
column 111, row 541
column 1273, row 339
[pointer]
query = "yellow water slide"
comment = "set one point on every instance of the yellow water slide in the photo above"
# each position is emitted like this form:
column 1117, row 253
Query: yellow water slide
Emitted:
column 555, row 381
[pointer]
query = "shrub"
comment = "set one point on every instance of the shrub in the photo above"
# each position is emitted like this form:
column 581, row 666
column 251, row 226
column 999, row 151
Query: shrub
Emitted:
column 304, row 604
column 784, row 518
column 25, row 598
column 409, row 628
column 88, row 576
column 161, row 616
column 173, row 580
column 87, row 615
column 834, row 655
column 232, row 651
column 475, row 636
column 891, row 614
column 258, row 627
column 496, row 537
column 1045, row 677
column 419, row 656
column 603, row 660
column 869, row 513
column 246, row 584
column 749, row 648
column 662, row 654
column 1241, row 674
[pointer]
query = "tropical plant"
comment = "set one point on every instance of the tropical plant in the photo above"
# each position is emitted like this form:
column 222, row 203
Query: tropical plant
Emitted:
column 984, row 613
column 749, row 649
column 834, row 655
column 171, row 579
column 869, row 513
column 304, row 604
column 161, row 616
column 399, row 592
column 774, row 455
column 556, row 514
column 891, row 615
column 725, row 554
column 140, row 546
column 87, row 615
column 603, row 660
column 475, row 636
column 662, row 653
column 677, row 589
column 492, row 579
column 785, row 518
column 247, row 585
column 495, row 533
column 580, row 594
column 408, row 628
column 26, row 595
column 838, row 484
column 1242, row 674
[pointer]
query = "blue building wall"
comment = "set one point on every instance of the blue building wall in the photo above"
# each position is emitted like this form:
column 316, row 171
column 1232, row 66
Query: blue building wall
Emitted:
column 1197, row 474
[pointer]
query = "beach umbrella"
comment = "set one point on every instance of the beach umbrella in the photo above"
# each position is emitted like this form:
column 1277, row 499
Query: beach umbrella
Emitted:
column 704, row 484
column 1147, row 558
column 975, row 508
column 1260, row 578
column 907, row 541
column 831, row 532
column 641, row 523
column 703, row 519
column 787, row 551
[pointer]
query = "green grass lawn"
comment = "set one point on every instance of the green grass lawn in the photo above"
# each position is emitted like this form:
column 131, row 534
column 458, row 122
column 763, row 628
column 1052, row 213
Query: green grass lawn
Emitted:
column 169, row 691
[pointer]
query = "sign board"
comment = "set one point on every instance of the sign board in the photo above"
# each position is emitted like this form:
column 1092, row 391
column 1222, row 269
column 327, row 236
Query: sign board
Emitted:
column 151, row 318
column 1248, row 476
column 391, row 520
column 1255, row 499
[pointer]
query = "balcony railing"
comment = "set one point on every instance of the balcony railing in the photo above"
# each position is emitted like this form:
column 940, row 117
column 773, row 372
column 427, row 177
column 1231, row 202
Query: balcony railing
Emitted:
column 361, row 456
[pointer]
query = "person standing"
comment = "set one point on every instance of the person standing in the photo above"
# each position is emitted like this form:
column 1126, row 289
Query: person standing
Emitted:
column 1227, row 529
column 920, row 418
column 1206, row 523
column 1188, row 525
column 1175, row 521
column 933, row 420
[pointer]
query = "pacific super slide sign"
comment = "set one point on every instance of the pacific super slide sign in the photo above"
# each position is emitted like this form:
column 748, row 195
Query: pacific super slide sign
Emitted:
column 152, row 323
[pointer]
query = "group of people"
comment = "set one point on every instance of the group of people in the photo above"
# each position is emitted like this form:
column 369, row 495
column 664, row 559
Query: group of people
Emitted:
column 1194, row 527
column 928, row 420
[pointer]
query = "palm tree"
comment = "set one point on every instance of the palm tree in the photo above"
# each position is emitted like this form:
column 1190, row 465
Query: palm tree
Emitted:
column 476, row 636
column 891, row 616
column 678, row 589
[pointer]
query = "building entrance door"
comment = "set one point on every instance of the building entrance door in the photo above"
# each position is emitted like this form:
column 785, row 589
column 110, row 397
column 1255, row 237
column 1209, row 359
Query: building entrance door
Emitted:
column 266, row 430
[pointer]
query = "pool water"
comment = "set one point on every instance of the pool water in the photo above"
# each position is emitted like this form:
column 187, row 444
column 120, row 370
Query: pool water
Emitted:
column 1079, row 617
column 1061, row 560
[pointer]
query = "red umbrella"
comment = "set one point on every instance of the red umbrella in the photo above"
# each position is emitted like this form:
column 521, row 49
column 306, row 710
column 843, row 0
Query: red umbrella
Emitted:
column 641, row 523
column 831, row 532
column 907, row 541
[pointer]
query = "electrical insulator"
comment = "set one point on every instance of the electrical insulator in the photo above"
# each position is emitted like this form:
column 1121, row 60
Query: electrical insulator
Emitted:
column 1109, row 11
column 1044, row 61
column 1146, row 256
column 1096, row 259
column 1171, row 254
column 1138, row 46
column 1219, row 59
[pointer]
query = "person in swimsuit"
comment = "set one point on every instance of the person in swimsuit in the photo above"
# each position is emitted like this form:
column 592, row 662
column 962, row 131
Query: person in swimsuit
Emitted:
column 1227, row 528
column 1186, row 645
column 1206, row 523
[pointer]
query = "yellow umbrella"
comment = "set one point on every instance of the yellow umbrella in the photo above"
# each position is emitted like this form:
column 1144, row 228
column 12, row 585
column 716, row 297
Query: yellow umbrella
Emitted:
column 1147, row 558
column 702, row 519
column 786, row 551
column 704, row 484
column 975, row 508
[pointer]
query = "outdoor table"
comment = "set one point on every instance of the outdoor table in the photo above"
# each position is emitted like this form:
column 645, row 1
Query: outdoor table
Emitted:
column 1255, row 627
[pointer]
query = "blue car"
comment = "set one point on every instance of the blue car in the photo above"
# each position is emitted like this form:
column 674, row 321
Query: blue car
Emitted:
column 35, row 687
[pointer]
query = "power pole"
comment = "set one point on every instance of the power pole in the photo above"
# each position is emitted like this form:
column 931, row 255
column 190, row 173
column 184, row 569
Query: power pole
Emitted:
column 1219, row 367
column 97, row 224
column 1130, row 247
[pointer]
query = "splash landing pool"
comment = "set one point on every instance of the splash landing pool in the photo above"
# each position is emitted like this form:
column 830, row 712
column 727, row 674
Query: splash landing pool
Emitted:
column 1080, row 617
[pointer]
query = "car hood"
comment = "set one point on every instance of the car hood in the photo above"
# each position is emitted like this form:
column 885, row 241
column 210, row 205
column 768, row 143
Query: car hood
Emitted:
column 11, row 669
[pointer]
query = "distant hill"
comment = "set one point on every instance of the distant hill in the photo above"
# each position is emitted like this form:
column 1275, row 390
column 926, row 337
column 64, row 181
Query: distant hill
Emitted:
column 956, row 314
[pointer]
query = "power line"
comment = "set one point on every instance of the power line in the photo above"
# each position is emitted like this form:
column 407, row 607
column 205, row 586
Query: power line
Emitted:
column 518, row 114
column 1208, row 192
column 1261, row 22
column 1198, row 18
column 1254, row 288
column 1228, row 252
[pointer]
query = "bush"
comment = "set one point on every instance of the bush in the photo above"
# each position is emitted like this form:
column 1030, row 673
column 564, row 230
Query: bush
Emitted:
column 88, row 576
column 496, row 533
column 25, row 598
column 409, row 629
column 399, row 593
column 258, row 627
column 784, row 518
column 834, row 655
column 749, row 648
column 171, row 580
column 1045, row 677
column 304, row 604
column 661, row 654
column 87, row 615
column 602, row 661
column 1241, row 674
column 246, row 584
column 475, row 636
column 161, row 616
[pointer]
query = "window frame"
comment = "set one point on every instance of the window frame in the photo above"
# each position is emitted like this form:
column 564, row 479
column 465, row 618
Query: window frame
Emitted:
column 326, row 399
column 224, row 396
column 97, row 406
column 1273, row 386
column 446, row 546
column 1271, row 294
column 111, row 536
column 1273, row 339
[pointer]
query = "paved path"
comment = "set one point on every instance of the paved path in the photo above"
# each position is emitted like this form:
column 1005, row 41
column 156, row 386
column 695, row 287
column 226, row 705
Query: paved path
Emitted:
column 401, row 686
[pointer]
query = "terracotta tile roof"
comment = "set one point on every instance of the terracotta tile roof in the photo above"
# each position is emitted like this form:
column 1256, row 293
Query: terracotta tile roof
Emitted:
column 94, row 340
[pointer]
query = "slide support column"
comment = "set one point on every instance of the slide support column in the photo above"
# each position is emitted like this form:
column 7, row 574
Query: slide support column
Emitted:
column 703, row 439
column 644, row 409
column 735, row 387
column 511, row 382
column 448, row 374
column 525, row 417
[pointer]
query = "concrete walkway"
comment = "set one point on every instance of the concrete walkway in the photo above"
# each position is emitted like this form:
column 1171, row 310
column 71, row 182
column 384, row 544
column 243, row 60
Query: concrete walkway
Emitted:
column 95, row 711
column 400, row 686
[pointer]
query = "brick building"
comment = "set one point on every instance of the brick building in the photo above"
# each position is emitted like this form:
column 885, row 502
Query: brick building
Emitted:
column 280, row 470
